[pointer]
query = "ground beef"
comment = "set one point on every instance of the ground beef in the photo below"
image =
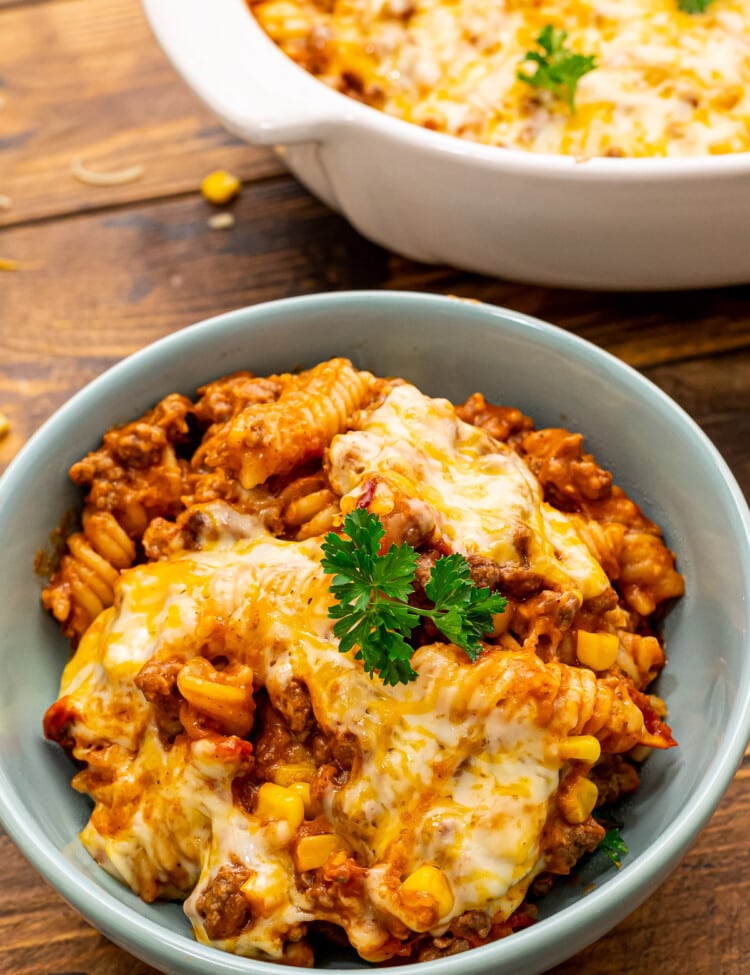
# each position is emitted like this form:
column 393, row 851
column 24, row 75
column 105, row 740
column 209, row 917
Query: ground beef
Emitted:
column 564, row 844
column 614, row 776
column 276, row 744
column 293, row 701
column 225, row 398
column 501, row 422
column 508, row 578
column 568, row 476
column 471, row 924
column 222, row 905
column 157, row 681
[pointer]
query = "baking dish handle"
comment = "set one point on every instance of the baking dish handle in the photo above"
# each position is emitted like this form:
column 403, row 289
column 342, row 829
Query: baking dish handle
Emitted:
column 224, row 56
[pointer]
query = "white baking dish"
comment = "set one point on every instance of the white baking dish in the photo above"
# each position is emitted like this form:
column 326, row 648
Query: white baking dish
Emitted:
column 599, row 223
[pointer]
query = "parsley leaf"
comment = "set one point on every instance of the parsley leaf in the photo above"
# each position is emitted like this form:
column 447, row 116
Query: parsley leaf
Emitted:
column 467, row 610
column 694, row 6
column 558, row 68
column 372, row 612
column 372, row 589
column 613, row 846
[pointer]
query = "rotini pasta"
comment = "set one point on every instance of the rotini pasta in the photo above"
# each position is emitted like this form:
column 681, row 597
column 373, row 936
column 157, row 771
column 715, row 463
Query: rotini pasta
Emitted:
column 308, row 506
column 238, row 761
column 273, row 438
column 84, row 583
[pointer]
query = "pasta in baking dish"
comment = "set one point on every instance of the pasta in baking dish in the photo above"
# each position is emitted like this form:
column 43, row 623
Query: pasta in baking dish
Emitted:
column 238, row 760
column 659, row 77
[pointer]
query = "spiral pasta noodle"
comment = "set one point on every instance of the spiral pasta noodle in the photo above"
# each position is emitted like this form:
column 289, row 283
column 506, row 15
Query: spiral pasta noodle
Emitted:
column 84, row 583
column 308, row 506
column 273, row 438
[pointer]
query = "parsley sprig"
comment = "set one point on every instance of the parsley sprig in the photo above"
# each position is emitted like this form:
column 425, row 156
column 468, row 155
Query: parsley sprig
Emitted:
column 372, row 611
column 694, row 6
column 558, row 69
column 613, row 846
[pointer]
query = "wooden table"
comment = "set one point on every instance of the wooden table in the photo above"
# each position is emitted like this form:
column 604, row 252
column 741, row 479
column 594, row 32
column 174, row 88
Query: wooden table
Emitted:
column 104, row 270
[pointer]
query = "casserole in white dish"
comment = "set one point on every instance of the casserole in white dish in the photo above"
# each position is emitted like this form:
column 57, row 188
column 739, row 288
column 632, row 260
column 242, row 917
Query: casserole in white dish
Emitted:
column 598, row 223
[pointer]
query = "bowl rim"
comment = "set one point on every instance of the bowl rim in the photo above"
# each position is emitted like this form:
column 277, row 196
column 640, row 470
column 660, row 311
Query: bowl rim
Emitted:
column 234, row 23
column 615, row 897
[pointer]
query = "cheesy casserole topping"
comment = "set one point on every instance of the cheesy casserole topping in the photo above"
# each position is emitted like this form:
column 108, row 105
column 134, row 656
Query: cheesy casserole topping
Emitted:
column 238, row 761
column 666, row 82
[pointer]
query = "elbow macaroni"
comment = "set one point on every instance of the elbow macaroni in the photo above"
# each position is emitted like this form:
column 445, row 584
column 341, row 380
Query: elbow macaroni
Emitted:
column 238, row 761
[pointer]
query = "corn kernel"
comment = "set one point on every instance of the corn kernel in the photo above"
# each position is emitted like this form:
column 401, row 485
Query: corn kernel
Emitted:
column 313, row 851
column 578, row 803
column 302, row 789
column 220, row 187
column 597, row 650
column 581, row 748
column 277, row 802
column 429, row 879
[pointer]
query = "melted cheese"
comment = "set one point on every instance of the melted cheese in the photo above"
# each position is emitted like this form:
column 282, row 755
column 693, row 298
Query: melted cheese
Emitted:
column 182, row 811
column 456, row 769
column 469, row 794
column 469, row 786
column 666, row 83
column 481, row 497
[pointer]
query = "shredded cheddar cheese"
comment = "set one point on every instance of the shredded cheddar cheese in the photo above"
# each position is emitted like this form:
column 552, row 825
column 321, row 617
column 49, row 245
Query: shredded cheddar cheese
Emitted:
column 666, row 83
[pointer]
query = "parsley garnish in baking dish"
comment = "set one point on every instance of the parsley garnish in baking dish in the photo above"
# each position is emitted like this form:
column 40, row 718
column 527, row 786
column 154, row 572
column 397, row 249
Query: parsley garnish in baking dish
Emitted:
column 694, row 6
column 558, row 69
column 372, row 611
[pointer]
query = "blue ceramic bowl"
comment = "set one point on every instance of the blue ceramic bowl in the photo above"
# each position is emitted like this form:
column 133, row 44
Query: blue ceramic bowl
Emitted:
column 447, row 347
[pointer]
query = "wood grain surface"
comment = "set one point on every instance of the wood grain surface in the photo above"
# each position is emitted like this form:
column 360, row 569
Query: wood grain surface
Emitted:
column 105, row 270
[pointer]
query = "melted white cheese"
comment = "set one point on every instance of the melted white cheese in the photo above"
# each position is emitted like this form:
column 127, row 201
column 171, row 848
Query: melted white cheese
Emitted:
column 483, row 498
column 467, row 793
column 666, row 83
column 469, row 786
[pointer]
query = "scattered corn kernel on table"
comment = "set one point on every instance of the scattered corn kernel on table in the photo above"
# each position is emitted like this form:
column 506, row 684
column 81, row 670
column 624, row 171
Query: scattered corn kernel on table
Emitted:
column 89, row 273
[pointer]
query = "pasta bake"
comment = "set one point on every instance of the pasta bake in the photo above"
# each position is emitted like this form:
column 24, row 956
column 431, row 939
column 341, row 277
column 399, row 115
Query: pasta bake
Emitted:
column 652, row 77
column 246, row 758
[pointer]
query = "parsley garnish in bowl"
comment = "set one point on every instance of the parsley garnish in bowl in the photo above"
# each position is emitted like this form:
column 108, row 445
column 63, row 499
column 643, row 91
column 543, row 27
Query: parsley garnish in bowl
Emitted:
column 372, row 611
